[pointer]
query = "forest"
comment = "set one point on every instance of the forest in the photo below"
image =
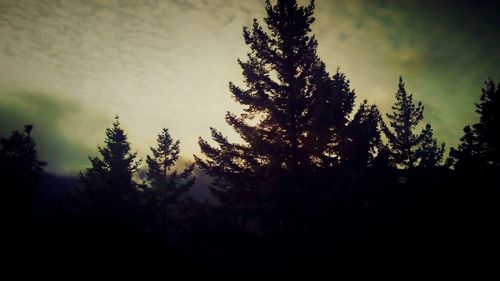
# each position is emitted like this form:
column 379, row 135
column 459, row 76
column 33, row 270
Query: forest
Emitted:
column 319, row 177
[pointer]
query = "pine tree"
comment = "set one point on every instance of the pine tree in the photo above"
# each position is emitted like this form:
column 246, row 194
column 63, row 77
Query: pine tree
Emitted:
column 406, row 149
column 20, row 171
column 18, row 156
column 429, row 152
column 295, row 114
column 329, row 121
column 362, row 137
column 402, row 142
column 477, row 169
column 166, row 185
column 108, row 187
column 479, row 150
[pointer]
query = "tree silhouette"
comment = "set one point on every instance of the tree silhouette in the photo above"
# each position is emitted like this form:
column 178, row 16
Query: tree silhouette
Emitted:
column 479, row 150
column 19, row 158
column 362, row 137
column 429, row 152
column 329, row 121
column 295, row 113
column 405, row 148
column 108, row 187
column 20, row 170
column 166, row 185
column 477, row 173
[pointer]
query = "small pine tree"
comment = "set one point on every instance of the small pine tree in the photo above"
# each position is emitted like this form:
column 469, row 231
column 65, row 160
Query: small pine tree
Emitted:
column 166, row 185
column 19, row 158
column 429, row 152
column 403, row 143
column 20, row 171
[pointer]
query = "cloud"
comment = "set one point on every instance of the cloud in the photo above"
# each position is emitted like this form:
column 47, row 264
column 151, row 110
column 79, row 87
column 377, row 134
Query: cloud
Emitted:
column 59, row 127
column 167, row 63
column 153, row 61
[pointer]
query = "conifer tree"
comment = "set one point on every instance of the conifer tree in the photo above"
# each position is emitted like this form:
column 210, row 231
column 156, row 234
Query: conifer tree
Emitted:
column 295, row 114
column 479, row 150
column 402, row 142
column 362, row 137
column 429, row 152
column 166, row 185
column 108, row 186
column 19, row 158
column 20, row 169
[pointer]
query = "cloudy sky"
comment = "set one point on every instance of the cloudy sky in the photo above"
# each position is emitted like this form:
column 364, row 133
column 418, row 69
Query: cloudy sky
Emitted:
column 68, row 66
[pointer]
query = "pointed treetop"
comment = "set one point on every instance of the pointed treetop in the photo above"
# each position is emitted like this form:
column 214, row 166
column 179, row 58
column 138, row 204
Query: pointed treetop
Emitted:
column 28, row 128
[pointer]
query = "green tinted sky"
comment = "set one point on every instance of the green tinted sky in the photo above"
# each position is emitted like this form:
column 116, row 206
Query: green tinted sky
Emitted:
column 69, row 66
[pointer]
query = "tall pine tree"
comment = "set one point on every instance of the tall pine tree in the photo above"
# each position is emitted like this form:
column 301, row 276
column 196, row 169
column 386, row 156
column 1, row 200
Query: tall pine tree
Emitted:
column 166, row 185
column 405, row 148
column 477, row 171
column 479, row 150
column 295, row 115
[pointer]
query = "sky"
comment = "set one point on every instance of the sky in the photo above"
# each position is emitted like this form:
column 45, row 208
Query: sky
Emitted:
column 69, row 66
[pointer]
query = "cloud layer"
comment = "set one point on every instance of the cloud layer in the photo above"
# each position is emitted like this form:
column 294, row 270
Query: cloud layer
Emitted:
column 167, row 64
column 61, row 134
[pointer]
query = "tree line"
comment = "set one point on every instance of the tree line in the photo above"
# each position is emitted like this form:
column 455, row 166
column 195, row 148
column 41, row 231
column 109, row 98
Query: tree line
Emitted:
column 314, row 174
